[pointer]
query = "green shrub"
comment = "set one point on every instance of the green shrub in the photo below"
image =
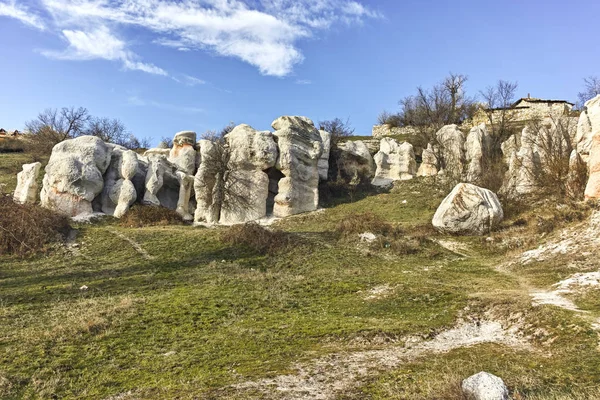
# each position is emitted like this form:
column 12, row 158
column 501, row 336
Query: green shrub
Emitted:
column 140, row 216
column 27, row 229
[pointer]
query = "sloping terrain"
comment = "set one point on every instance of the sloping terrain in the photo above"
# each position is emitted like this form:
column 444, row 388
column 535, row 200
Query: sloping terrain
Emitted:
column 175, row 312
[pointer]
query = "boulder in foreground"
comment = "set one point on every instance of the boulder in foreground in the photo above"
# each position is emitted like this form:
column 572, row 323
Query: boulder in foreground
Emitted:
column 484, row 386
column 468, row 210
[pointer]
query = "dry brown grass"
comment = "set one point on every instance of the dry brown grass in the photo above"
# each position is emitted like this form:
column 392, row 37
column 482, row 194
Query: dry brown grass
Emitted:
column 27, row 229
column 140, row 216
column 258, row 238
column 366, row 222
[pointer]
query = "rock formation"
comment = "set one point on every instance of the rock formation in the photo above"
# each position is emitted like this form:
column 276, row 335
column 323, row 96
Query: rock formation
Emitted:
column 74, row 175
column 119, row 192
column 27, row 185
column 184, row 156
column 484, row 386
column 355, row 163
column 452, row 150
column 300, row 148
column 468, row 210
column 395, row 162
column 475, row 146
column 429, row 162
column 592, row 112
column 204, row 183
column 588, row 124
column 577, row 176
column 324, row 159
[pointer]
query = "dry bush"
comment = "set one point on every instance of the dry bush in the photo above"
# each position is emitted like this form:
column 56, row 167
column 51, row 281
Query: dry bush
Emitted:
column 354, row 224
column 27, row 229
column 10, row 145
column 258, row 238
column 140, row 216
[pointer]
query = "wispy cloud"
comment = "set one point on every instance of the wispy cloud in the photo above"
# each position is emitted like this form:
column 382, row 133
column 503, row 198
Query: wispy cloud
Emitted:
column 100, row 43
column 303, row 82
column 262, row 33
column 139, row 102
column 13, row 10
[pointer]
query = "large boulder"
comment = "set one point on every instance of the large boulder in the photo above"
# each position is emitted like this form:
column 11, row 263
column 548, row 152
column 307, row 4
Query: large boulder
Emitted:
column 74, row 175
column 355, row 163
column 251, row 153
column 475, row 146
column 468, row 210
column 324, row 159
column 183, row 154
column 452, row 150
column 484, row 386
column 429, row 162
column 395, row 162
column 27, row 185
column 300, row 148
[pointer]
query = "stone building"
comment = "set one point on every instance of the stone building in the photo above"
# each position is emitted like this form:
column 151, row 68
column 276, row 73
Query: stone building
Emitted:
column 526, row 109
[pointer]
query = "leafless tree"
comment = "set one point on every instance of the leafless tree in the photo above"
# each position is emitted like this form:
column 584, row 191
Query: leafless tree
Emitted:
column 338, row 129
column 498, row 101
column 391, row 119
column 166, row 141
column 591, row 90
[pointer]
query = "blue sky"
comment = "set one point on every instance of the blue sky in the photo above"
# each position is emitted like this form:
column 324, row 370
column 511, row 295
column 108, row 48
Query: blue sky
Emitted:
column 162, row 66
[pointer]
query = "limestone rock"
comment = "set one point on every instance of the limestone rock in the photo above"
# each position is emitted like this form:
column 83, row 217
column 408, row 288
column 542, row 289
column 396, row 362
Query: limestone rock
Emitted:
column 577, row 176
column 428, row 165
column 474, row 152
column 452, row 150
column 587, row 126
column 592, row 189
column 324, row 159
column 468, row 210
column 484, row 386
column 395, row 162
column 300, row 148
column 355, row 162
column 74, row 175
column 251, row 154
column 522, row 164
column 183, row 153
column 27, row 186
column 119, row 192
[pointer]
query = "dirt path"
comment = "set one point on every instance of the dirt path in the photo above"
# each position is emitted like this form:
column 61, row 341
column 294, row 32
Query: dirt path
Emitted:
column 133, row 244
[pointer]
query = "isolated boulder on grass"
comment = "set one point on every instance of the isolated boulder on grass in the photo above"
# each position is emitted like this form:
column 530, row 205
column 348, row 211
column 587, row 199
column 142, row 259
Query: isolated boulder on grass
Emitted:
column 27, row 186
column 484, row 386
column 468, row 210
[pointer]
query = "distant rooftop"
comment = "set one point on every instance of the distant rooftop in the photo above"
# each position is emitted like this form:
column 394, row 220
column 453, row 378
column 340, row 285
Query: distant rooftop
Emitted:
column 536, row 100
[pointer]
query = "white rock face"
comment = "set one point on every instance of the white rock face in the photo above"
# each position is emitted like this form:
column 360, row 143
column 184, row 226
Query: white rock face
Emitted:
column 484, row 386
column 251, row 153
column 452, row 150
column 577, row 176
column 523, row 162
column 395, row 162
column 468, row 210
column 592, row 190
column 119, row 191
column 324, row 159
column 300, row 148
column 587, row 126
column 74, row 175
column 204, row 184
column 183, row 153
column 474, row 152
column 27, row 186
column 428, row 165
column 355, row 161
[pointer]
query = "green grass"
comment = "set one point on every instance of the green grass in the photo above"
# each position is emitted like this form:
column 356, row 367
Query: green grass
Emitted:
column 202, row 315
column 10, row 165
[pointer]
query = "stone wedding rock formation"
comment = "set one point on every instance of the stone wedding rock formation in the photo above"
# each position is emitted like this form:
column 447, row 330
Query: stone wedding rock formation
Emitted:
column 27, row 185
column 452, row 150
column 591, row 137
column 324, row 159
column 468, row 210
column 429, row 162
column 355, row 163
column 300, row 148
column 74, row 175
column 475, row 147
column 394, row 162
column 119, row 192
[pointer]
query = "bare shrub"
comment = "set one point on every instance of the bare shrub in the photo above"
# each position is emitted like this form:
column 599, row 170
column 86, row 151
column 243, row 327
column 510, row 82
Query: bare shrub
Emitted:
column 338, row 129
column 354, row 224
column 10, row 145
column 27, row 229
column 140, row 216
column 591, row 90
column 389, row 119
column 260, row 239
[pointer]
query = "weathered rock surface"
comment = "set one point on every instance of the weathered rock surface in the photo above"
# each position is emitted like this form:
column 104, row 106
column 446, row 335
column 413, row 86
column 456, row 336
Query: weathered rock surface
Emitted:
column 522, row 164
column 74, row 175
column 205, row 184
column 587, row 126
column 484, row 386
column 324, row 159
column 452, row 150
column 183, row 154
column 119, row 192
column 300, row 148
column 251, row 153
column 577, row 176
column 475, row 146
column 592, row 190
column 27, row 186
column 468, row 210
column 395, row 162
column 355, row 162
column 429, row 162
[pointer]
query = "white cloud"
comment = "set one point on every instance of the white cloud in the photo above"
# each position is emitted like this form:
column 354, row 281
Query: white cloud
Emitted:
column 303, row 82
column 139, row 102
column 101, row 44
column 21, row 13
column 262, row 33
column 192, row 81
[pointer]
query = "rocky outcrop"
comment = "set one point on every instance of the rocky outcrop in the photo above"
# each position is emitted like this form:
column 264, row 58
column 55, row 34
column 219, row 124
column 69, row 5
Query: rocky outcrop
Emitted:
column 468, row 210
column 205, row 181
column 74, row 175
column 429, row 162
column 592, row 113
column 119, row 192
column 452, row 150
column 394, row 162
column 484, row 386
column 324, row 159
column 251, row 154
column 589, row 122
column 577, row 176
column 300, row 148
column 27, row 185
column 355, row 163
column 523, row 162
column 475, row 146
column 183, row 154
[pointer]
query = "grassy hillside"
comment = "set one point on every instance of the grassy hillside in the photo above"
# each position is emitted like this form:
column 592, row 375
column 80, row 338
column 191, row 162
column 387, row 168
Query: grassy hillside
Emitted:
column 183, row 315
